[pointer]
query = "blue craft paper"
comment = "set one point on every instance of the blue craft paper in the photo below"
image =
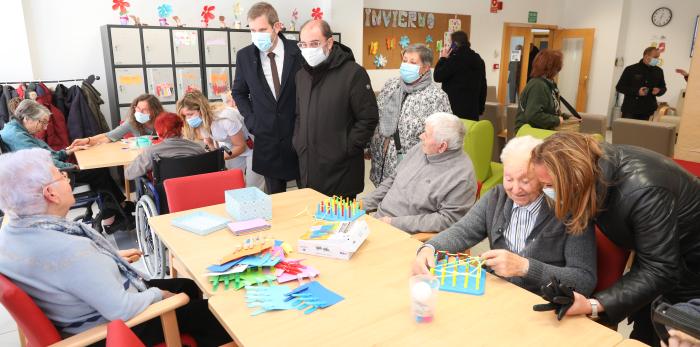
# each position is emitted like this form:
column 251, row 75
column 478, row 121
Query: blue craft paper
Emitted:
column 318, row 292
column 200, row 222
column 224, row 267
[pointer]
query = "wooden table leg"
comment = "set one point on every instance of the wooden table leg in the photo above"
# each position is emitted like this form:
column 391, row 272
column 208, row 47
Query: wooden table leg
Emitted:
column 127, row 190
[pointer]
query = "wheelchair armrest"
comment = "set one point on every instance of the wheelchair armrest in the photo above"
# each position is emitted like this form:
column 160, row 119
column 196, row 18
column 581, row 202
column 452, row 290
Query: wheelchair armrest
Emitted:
column 162, row 308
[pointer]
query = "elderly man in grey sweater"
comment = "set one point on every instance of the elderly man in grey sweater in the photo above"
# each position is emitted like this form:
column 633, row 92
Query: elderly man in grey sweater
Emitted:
column 434, row 185
column 75, row 276
column 528, row 243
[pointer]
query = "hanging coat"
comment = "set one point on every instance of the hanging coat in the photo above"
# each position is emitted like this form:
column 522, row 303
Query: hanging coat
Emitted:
column 56, row 133
column 81, row 122
column 6, row 94
column 60, row 93
column 94, row 100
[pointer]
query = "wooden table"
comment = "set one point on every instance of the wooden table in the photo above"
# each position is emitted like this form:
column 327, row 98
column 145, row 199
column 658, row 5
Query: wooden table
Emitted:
column 374, row 283
column 631, row 343
column 107, row 155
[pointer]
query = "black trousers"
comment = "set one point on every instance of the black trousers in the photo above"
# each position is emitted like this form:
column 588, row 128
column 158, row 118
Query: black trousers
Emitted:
column 193, row 319
column 276, row 185
column 636, row 116
column 101, row 180
column 643, row 330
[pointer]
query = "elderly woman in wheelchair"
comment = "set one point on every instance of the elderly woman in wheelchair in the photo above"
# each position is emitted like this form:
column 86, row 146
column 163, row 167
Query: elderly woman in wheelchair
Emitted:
column 172, row 157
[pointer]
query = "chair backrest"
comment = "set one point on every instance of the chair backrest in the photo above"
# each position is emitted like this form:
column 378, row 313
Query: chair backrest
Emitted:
column 534, row 132
column 185, row 193
column 491, row 94
column 611, row 261
column 511, row 113
column 31, row 321
column 478, row 145
column 118, row 335
column 594, row 123
column 659, row 137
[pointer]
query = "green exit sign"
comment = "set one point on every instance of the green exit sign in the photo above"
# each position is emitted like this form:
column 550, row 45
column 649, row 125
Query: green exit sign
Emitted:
column 532, row 17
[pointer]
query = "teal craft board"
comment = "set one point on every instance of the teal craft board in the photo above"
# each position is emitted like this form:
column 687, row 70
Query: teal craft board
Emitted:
column 460, row 277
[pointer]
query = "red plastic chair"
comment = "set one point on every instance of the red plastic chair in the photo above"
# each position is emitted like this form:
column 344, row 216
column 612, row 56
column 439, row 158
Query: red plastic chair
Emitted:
column 119, row 335
column 186, row 193
column 38, row 331
column 611, row 261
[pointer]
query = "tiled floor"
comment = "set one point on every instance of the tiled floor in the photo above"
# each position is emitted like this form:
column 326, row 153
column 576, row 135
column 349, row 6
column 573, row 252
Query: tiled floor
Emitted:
column 124, row 240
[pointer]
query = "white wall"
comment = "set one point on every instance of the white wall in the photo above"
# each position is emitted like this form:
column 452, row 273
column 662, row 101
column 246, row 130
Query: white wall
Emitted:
column 605, row 17
column 65, row 43
column 640, row 32
column 15, row 62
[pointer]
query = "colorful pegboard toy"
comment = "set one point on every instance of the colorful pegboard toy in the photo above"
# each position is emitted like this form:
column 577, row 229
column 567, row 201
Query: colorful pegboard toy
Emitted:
column 459, row 273
column 337, row 209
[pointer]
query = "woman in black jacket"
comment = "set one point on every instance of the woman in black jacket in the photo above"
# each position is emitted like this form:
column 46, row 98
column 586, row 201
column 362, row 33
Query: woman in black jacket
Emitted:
column 463, row 76
column 642, row 202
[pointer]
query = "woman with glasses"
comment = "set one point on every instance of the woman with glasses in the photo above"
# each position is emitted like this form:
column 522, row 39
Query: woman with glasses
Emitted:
column 30, row 118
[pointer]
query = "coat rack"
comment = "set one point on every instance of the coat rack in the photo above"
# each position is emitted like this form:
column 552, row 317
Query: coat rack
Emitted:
column 90, row 79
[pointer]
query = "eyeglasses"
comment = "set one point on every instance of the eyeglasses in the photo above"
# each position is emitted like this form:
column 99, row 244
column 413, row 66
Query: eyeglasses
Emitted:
column 312, row 44
column 43, row 122
column 65, row 177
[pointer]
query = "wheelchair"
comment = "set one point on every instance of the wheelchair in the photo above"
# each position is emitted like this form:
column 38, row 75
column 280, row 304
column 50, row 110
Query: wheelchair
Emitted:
column 152, row 201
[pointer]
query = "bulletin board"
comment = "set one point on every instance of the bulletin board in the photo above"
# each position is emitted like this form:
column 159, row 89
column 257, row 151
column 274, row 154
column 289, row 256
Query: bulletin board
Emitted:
column 387, row 31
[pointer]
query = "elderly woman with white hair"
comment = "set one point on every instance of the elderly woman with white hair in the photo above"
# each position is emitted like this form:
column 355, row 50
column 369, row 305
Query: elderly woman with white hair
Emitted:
column 434, row 186
column 528, row 243
column 75, row 276
column 404, row 103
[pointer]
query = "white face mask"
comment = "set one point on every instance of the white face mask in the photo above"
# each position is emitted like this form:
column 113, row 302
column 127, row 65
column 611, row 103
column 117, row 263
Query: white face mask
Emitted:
column 549, row 192
column 314, row 56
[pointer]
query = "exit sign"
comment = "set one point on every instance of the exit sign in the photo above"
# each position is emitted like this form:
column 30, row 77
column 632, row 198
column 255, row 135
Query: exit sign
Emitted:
column 532, row 17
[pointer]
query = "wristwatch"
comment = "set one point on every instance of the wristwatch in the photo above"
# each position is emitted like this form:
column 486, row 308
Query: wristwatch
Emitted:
column 594, row 308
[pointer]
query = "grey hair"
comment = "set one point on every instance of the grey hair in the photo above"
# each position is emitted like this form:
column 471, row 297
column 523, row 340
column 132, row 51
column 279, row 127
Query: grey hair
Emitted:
column 447, row 127
column 425, row 53
column 23, row 194
column 325, row 27
column 520, row 149
column 30, row 109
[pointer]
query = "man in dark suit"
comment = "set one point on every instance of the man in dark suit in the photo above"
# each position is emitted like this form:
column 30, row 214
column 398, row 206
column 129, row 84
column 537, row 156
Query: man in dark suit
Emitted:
column 641, row 83
column 265, row 91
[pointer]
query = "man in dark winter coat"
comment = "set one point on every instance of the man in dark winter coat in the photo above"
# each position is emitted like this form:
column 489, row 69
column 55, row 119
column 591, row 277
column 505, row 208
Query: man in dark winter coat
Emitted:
column 463, row 76
column 641, row 83
column 337, row 114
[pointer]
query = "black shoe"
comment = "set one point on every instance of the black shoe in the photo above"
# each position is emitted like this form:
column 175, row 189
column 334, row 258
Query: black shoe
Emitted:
column 129, row 207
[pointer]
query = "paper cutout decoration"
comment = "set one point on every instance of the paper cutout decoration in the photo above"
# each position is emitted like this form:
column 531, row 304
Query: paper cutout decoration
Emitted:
column 164, row 90
column 316, row 13
column 237, row 11
column 130, row 79
column 164, row 11
column 460, row 273
column 431, row 21
column 390, row 43
column 438, row 46
column 373, row 47
column 219, row 82
column 295, row 18
column 121, row 5
column 177, row 21
column 428, row 38
column 207, row 14
column 447, row 39
column 454, row 24
column 313, row 296
column 267, row 298
column 404, row 41
column 380, row 62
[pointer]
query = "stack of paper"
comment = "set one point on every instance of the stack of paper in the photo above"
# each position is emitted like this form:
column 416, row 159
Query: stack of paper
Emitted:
column 248, row 226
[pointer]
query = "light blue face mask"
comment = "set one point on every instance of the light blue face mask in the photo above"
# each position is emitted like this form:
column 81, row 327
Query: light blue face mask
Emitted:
column 262, row 40
column 654, row 62
column 194, row 122
column 142, row 118
column 549, row 192
column 409, row 72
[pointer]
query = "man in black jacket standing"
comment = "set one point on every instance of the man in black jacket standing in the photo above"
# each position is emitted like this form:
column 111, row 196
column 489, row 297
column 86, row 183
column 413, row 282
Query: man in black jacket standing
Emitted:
column 463, row 76
column 264, row 89
column 641, row 83
column 337, row 114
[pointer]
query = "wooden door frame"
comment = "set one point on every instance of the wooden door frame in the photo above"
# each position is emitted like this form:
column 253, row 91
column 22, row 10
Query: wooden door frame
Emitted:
column 584, row 71
column 505, row 56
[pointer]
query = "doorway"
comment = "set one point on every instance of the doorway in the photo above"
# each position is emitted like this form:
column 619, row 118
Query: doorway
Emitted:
column 522, row 42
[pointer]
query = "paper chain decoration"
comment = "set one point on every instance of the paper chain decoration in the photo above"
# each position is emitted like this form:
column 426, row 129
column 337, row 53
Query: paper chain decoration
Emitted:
column 380, row 61
column 460, row 273
column 316, row 13
column 337, row 209
column 404, row 41
column 207, row 14
column 121, row 5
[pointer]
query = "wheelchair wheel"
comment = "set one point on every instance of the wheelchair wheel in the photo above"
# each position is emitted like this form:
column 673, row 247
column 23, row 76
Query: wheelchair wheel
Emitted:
column 149, row 243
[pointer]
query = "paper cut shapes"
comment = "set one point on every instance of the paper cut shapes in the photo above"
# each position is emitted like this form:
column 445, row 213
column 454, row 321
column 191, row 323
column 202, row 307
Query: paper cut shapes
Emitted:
column 404, row 41
column 460, row 273
column 207, row 14
column 373, row 47
column 337, row 209
column 164, row 11
column 428, row 38
column 267, row 298
column 380, row 61
column 249, row 246
column 312, row 296
column 316, row 13
column 390, row 43
column 438, row 46
column 295, row 18
column 121, row 5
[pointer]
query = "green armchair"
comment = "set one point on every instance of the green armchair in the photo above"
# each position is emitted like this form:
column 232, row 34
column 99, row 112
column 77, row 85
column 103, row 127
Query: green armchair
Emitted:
column 478, row 145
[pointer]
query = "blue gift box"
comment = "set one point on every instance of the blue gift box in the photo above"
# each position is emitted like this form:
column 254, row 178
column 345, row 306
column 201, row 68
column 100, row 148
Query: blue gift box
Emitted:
column 248, row 203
